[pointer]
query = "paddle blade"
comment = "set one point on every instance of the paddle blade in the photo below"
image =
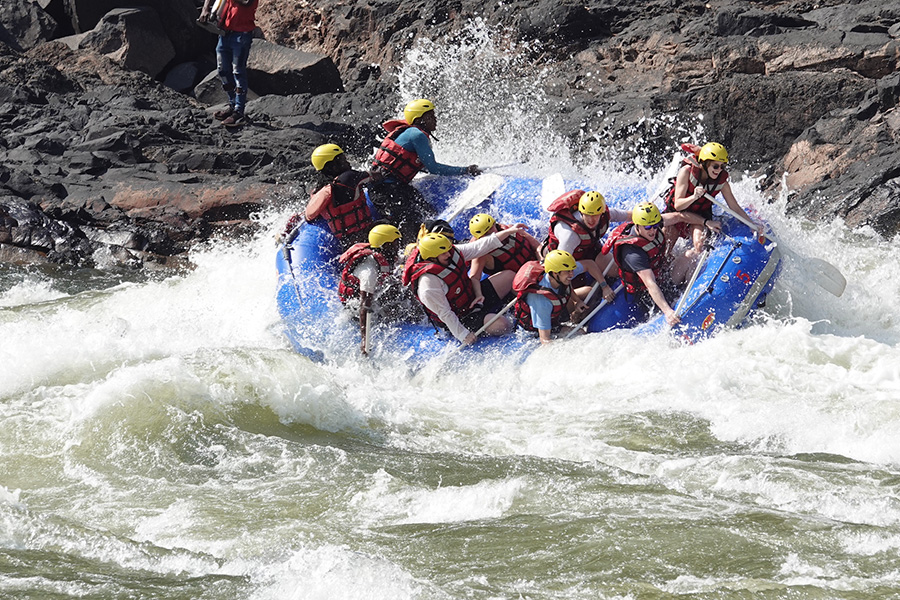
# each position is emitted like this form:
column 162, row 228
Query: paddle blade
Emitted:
column 552, row 188
column 479, row 190
column 827, row 276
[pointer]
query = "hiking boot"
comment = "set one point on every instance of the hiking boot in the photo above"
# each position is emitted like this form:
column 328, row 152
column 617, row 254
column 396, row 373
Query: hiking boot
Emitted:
column 235, row 119
column 223, row 114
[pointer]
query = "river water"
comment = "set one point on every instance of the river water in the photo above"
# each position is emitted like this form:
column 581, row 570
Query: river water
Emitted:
column 159, row 439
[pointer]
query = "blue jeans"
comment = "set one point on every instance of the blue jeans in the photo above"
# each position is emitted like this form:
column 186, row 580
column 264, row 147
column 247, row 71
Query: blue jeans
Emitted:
column 232, row 53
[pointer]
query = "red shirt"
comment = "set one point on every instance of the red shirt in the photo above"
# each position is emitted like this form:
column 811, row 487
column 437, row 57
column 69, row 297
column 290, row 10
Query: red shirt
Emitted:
column 240, row 18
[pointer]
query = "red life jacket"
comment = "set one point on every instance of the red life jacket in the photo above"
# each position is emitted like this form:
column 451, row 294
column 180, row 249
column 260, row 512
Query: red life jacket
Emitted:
column 460, row 291
column 703, row 206
column 526, row 282
column 392, row 158
column 624, row 235
column 348, row 287
column 511, row 255
column 563, row 209
column 345, row 210
column 239, row 18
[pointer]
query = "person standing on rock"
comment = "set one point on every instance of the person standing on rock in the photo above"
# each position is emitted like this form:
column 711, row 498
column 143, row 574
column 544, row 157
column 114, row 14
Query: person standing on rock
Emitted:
column 237, row 20
column 405, row 151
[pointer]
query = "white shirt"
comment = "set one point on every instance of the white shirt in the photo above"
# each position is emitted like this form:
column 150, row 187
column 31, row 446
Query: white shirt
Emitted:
column 432, row 290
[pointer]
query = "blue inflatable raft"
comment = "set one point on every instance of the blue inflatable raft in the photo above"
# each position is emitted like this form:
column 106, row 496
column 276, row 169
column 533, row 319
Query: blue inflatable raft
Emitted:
column 731, row 282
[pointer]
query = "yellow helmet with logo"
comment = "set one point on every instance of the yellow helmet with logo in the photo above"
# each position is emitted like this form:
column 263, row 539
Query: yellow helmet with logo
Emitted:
column 713, row 151
column 480, row 224
column 592, row 203
column 645, row 214
column 416, row 109
column 383, row 234
column 559, row 260
column 433, row 244
column 324, row 154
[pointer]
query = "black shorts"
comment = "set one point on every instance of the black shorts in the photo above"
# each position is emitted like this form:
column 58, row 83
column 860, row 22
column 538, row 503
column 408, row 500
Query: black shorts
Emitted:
column 492, row 304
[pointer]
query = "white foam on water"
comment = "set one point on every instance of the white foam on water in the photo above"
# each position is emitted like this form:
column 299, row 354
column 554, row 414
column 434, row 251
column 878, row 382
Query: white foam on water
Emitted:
column 137, row 408
column 31, row 290
column 326, row 572
column 389, row 500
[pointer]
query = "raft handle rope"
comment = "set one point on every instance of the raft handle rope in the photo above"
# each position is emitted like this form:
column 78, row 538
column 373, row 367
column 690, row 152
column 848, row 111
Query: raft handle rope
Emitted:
column 709, row 288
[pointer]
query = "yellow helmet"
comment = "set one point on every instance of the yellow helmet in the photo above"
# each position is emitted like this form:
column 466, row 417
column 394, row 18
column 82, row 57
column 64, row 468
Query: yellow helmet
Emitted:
column 324, row 154
column 433, row 244
column 713, row 151
column 559, row 260
column 592, row 203
column 416, row 109
column 480, row 224
column 383, row 234
column 645, row 214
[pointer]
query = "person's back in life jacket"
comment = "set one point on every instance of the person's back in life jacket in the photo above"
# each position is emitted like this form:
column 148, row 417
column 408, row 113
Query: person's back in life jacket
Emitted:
column 340, row 200
column 370, row 283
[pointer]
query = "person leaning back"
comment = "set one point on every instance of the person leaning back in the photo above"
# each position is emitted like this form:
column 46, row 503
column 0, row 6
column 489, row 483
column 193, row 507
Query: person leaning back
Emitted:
column 369, row 281
column 544, row 297
column 437, row 273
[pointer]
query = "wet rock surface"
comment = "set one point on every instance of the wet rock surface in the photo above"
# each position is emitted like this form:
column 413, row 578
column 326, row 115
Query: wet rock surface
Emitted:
column 101, row 163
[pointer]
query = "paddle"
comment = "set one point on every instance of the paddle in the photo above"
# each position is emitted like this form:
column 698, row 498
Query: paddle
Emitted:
column 479, row 190
column 592, row 313
column 691, row 282
column 457, row 347
column 503, row 166
column 495, row 317
column 551, row 188
column 368, row 338
column 596, row 285
column 825, row 274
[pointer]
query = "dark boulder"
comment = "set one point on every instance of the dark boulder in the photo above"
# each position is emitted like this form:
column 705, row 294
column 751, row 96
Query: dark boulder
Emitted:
column 24, row 24
column 133, row 37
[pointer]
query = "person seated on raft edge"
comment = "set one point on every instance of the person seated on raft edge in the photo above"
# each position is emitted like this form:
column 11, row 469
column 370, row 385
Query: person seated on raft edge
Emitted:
column 578, row 222
column 516, row 250
column 437, row 272
column 370, row 280
column 640, row 251
column 338, row 197
column 702, row 171
column 544, row 298
column 405, row 151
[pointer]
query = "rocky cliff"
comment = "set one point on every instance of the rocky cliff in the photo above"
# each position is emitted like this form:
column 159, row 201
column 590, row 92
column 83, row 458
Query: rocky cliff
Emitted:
column 109, row 154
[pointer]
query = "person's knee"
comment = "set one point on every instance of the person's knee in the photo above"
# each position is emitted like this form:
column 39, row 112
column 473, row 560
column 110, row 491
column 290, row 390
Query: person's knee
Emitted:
column 501, row 326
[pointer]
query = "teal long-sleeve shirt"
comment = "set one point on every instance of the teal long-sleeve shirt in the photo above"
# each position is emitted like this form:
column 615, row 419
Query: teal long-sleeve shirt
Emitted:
column 415, row 140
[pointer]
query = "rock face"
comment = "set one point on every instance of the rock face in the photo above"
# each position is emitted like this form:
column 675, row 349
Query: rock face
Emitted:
column 100, row 163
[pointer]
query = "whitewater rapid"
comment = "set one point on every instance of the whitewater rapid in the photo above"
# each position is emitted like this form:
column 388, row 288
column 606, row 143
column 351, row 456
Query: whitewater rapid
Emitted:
column 159, row 438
